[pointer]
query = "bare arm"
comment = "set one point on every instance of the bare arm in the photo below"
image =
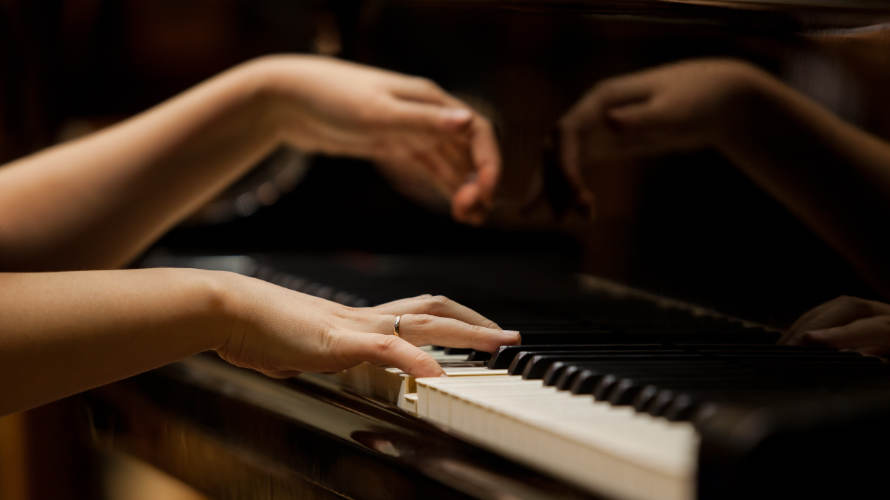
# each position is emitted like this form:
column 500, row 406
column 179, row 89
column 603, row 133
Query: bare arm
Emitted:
column 833, row 176
column 64, row 332
column 830, row 174
column 100, row 200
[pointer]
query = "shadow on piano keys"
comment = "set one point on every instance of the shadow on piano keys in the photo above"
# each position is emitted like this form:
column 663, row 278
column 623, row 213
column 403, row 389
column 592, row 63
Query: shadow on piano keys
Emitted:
column 614, row 394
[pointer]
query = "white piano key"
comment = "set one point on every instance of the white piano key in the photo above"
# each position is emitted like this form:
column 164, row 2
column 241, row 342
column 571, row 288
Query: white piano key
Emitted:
column 610, row 449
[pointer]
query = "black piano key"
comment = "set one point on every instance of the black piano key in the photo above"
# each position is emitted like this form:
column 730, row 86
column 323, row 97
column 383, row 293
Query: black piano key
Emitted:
column 533, row 365
column 624, row 392
column 604, row 352
column 604, row 386
column 457, row 350
column 660, row 402
column 644, row 397
column 479, row 356
column 567, row 377
column 503, row 357
column 682, row 408
column 554, row 372
column 585, row 381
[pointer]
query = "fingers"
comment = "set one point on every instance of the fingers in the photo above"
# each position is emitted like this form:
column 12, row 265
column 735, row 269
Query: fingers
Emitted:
column 467, row 206
column 413, row 116
column 584, row 131
column 871, row 334
column 486, row 157
column 419, row 89
column 438, row 320
column 607, row 94
column 389, row 350
column 836, row 312
column 642, row 129
column 437, row 305
column 426, row 329
column 419, row 104
column 473, row 200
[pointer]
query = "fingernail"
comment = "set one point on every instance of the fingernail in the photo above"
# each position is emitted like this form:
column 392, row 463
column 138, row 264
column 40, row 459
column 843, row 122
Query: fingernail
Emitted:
column 443, row 375
column 513, row 335
column 457, row 114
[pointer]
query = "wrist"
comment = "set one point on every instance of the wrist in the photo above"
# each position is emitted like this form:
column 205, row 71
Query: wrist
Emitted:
column 748, row 101
column 281, row 94
column 220, row 306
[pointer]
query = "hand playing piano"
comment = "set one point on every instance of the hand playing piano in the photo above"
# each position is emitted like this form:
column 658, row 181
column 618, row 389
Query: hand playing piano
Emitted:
column 425, row 140
column 283, row 333
column 845, row 323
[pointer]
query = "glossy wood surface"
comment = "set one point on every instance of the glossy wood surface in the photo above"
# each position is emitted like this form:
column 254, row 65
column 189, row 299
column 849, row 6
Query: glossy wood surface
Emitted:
column 236, row 434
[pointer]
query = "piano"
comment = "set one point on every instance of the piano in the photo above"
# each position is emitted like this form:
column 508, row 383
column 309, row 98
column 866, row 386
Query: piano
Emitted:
column 615, row 392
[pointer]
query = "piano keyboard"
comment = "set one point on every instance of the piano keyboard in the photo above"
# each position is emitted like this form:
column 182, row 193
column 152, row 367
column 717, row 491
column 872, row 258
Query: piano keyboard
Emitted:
column 616, row 400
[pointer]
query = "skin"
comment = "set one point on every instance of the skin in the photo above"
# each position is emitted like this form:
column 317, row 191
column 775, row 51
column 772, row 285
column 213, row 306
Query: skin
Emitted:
column 845, row 323
column 98, row 202
column 832, row 175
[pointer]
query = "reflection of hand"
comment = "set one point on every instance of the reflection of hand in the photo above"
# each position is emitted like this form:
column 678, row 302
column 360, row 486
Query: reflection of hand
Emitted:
column 407, row 124
column 845, row 323
column 282, row 332
column 680, row 106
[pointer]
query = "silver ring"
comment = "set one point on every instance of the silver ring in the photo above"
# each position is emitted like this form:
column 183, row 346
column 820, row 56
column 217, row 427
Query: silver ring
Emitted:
column 395, row 325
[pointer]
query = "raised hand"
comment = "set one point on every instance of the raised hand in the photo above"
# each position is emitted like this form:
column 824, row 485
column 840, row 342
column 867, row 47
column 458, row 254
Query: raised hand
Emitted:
column 417, row 132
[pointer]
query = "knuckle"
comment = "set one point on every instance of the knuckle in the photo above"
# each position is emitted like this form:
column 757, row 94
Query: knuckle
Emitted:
column 366, row 114
column 420, row 358
column 421, row 321
column 480, row 330
column 384, row 344
column 440, row 302
column 605, row 87
column 427, row 84
column 846, row 300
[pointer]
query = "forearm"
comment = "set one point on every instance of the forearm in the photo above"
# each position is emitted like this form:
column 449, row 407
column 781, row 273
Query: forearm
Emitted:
column 833, row 176
column 62, row 333
column 105, row 197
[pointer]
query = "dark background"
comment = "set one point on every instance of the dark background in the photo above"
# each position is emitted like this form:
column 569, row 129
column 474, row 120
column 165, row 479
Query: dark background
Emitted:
column 687, row 226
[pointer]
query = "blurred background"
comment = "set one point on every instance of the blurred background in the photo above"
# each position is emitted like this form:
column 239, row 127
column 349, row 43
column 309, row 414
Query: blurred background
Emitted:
column 687, row 226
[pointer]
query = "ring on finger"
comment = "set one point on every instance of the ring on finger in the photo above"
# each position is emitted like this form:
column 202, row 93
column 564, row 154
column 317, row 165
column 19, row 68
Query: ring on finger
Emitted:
column 395, row 325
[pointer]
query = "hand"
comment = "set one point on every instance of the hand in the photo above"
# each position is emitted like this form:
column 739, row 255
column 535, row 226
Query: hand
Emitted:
column 417, row 132
column 845, row 323
column 283, row 333
column 683, row 106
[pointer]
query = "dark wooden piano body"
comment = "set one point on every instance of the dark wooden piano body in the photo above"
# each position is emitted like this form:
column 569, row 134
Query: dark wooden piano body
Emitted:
column 232, row 433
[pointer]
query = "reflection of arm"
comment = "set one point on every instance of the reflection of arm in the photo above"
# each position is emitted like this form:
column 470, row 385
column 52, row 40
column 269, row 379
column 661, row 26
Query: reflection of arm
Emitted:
column 832, row 175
